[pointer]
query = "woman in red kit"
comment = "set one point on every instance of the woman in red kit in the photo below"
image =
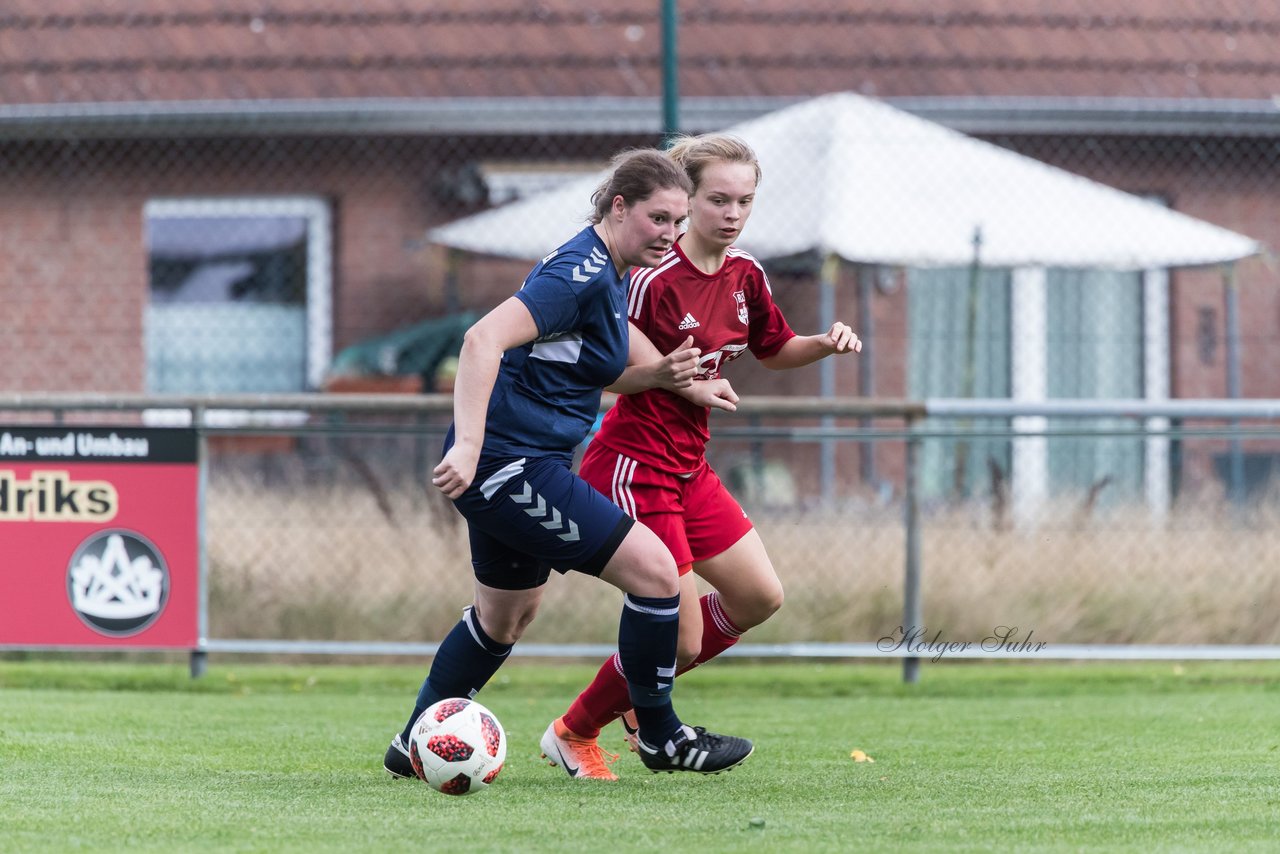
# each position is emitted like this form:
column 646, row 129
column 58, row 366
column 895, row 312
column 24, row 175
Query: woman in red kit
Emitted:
column 649, row 456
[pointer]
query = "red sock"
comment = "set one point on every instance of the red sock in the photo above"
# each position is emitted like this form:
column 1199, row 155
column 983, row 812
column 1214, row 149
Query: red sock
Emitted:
column 607, row 697
column 718, row 631
column 603, row 701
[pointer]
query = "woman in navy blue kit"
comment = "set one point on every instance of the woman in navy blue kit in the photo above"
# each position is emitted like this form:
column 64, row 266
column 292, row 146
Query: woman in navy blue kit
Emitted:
column 528, row 388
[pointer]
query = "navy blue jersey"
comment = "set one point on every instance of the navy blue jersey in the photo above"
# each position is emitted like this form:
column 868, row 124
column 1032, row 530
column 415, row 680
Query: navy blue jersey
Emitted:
column 547, row 393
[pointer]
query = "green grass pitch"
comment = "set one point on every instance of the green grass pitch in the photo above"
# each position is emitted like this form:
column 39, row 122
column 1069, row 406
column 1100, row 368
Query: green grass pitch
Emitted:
column 118, row 756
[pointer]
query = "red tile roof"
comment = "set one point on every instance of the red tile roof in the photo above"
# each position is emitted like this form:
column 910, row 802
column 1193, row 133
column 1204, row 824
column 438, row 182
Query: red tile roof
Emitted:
column 59, row 51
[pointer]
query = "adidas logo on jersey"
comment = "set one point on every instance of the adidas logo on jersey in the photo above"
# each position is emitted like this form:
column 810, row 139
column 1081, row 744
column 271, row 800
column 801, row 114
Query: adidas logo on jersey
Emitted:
column 688, row 323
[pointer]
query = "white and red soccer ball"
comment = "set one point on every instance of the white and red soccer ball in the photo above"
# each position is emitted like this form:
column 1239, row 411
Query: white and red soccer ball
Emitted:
column 457, row 746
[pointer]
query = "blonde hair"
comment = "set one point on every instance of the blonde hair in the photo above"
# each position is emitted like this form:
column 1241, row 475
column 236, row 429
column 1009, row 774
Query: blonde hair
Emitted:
column 695, row 153
column 637, row 174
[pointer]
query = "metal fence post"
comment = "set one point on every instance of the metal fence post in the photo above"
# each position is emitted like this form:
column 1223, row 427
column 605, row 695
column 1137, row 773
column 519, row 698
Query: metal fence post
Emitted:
column 1235, row 468
column 827, row 280
column 911, row 605
column 200, row 655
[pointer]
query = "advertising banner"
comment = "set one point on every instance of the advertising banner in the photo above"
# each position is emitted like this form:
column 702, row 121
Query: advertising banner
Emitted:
column 98, row 537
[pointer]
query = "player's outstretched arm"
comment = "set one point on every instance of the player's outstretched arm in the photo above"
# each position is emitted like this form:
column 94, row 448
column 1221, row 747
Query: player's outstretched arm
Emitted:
column 716, row 394
column 509, row 325
column 647, row 368
column 806, row 349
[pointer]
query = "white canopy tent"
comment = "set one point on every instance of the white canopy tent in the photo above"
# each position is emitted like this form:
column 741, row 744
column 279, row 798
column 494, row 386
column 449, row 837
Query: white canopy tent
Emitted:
column 850, row 177
column 876, row 185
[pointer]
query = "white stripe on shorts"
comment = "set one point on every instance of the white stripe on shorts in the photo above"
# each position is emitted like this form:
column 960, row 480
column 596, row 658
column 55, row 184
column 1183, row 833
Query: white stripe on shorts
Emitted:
column 490, row 486
column 624, row 471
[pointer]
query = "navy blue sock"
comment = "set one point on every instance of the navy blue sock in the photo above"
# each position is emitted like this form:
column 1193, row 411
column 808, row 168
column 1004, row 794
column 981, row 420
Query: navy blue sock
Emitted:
column 647, row 636
column 466, row 660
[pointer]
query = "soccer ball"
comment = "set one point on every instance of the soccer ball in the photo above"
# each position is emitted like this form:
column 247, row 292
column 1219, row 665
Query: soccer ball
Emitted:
column 457, row 747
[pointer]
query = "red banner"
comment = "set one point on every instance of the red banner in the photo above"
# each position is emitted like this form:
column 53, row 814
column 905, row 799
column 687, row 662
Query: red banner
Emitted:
column 98, row 542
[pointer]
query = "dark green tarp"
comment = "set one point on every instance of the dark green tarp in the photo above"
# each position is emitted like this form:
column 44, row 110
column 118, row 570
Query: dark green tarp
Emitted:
column 417, row 349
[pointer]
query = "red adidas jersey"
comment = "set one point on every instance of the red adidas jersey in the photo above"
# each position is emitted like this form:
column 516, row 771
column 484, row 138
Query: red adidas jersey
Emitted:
column 726, row 312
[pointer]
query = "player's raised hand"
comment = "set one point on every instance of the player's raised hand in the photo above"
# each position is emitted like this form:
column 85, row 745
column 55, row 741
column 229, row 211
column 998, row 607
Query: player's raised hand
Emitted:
column 717, row 394
column 456, row 471
column 841, row 339
column 677, row 368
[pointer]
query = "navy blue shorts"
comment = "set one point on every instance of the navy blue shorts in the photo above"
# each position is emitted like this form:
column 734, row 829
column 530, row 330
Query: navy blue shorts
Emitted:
column 529, row 516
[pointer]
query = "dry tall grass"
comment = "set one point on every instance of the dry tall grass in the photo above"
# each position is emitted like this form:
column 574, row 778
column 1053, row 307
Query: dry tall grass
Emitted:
column 346, row 563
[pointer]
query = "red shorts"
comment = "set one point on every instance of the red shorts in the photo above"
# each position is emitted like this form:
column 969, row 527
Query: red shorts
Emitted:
column 694, row 515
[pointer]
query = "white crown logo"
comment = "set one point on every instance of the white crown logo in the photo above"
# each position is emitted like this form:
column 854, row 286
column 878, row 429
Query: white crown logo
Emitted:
column 113, row 587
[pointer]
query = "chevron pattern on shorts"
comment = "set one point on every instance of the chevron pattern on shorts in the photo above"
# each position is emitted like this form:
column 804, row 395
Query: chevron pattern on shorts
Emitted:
column 538, row 509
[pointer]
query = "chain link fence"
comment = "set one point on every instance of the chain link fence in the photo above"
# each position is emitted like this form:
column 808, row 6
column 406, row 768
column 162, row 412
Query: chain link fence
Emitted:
column 342, row 539
column 325, row 535
column 231, row 248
